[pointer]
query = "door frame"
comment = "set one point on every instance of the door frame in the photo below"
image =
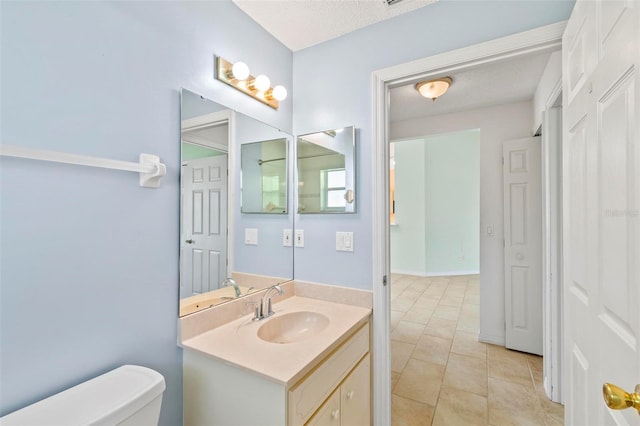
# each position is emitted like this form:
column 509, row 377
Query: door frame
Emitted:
column 218, row 118
column 541, row 39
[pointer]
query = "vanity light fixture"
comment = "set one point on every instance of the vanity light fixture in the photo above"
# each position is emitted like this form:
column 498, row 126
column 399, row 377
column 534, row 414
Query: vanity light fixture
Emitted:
column 237, row 75
column 433, row 89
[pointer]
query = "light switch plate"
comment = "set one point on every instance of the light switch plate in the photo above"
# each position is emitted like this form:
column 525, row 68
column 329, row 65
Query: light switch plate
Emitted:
column 299, row 238
column 251, row 236
column 286, row 238
column 344, row 241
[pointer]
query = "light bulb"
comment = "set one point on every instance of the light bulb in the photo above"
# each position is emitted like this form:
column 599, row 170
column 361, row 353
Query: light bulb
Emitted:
column 279, row 93
column 261, row 83
column 240, row 71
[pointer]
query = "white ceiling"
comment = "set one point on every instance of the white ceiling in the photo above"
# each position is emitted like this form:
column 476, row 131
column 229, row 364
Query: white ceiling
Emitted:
column 303, row 23
column 486, row 85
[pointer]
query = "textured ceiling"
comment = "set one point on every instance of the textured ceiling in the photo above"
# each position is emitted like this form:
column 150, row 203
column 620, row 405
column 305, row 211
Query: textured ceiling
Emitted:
column 302, row 23
column 498, row 83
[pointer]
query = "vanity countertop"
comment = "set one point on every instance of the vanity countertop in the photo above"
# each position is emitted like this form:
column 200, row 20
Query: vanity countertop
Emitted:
column 237, row 342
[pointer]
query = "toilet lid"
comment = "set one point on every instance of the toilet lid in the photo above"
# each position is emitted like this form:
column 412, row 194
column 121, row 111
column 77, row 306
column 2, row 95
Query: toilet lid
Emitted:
column 106, row 399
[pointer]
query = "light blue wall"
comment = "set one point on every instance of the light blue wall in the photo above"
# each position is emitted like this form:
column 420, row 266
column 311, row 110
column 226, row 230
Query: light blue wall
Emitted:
column 437, row 203
column 341, row 95
column 89, row 265
column 408, row 233
column 452, row 220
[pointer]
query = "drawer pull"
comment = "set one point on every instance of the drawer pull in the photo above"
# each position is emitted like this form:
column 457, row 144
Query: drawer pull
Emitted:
column 335, row 414
column 350, row 395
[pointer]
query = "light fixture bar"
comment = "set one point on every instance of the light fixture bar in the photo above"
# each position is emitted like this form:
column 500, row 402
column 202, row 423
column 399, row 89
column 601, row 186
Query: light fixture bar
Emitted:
column 225, row 75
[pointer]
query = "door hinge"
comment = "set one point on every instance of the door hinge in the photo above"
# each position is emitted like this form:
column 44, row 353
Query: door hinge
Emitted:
column 384, row 280
column 503, row 161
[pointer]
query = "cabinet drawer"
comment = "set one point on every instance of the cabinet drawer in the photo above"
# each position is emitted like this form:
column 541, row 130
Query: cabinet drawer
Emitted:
column 329, row 413
column 309, row 394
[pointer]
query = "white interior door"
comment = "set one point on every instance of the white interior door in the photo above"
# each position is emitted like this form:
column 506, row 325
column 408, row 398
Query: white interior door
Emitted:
column 203, row 239
column 523, row 245
column 601, row 90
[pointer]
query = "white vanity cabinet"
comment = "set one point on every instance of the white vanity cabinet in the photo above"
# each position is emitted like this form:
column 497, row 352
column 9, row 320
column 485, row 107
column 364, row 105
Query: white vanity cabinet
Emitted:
column 335, row 390
column 350, row 404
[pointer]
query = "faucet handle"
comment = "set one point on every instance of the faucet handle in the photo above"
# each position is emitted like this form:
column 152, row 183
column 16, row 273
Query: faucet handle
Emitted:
column 257, row 312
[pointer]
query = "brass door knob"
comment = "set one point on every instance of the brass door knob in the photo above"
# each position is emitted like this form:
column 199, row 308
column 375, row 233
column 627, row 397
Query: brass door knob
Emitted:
column 619, row 399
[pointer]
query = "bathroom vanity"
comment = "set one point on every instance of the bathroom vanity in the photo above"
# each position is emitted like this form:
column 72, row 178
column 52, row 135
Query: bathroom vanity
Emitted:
column 309, row 363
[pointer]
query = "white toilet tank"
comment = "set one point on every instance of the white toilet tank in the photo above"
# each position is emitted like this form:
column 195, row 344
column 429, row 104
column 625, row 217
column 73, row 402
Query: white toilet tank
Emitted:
column 129, row 395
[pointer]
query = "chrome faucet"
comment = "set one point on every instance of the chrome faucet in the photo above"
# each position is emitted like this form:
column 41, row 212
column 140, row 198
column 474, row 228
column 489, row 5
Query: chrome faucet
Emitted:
column 265, row 308
column 231, row 282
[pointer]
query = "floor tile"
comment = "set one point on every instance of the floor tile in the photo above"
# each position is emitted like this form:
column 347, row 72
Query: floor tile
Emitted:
column 432, row 349
column 396, row 316
column 460, row 408
column 407, row 331
column 513, row 404
column 400, row 354
column 440, row 328
column 417, row 314
column 407, row 412
column 446, row 312
column 420, row 381
column 467, row 344
column 510, row 366
column 466, row 373
column 446, row 374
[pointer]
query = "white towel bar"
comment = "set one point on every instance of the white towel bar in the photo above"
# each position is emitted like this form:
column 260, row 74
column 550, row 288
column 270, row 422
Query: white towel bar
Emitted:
column 149, row 167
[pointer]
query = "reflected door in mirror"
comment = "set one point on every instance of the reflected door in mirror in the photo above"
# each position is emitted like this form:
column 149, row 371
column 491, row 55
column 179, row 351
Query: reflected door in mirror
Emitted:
column 204, row 232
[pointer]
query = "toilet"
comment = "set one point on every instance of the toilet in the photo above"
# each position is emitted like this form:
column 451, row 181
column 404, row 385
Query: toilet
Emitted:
column 129, row 395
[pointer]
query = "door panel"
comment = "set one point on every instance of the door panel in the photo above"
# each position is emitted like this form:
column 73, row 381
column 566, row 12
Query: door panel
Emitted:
column 204, row 234
column 602, row 210
column 523, row 244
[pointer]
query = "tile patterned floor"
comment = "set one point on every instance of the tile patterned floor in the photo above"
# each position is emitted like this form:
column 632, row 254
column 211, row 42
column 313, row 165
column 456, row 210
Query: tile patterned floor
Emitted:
column 442, row 375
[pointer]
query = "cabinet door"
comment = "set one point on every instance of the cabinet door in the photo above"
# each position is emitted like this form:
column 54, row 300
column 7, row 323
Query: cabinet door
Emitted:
column 329, row 413
column 355, row 395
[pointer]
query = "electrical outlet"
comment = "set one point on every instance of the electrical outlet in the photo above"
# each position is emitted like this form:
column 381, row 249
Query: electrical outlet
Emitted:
column 286, row 238
column 299, row 238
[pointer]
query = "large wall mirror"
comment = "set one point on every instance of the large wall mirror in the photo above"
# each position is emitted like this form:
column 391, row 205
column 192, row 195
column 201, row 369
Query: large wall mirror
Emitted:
column 217, row 239
column 327, row 171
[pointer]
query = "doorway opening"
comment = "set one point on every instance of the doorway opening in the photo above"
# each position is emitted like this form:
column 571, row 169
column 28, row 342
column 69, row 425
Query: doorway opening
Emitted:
column 546, row 39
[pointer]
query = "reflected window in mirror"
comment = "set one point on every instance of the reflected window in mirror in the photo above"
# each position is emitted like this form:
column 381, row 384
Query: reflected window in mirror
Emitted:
column 327, row 171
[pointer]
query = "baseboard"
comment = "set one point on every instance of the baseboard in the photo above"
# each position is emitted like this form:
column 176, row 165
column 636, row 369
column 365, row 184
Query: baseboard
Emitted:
column 494, row 339
column 435, row 274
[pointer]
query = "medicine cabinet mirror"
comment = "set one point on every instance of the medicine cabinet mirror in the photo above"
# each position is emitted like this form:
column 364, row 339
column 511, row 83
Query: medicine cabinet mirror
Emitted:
column 326, row 164
column 213, row 228
column 264, row 176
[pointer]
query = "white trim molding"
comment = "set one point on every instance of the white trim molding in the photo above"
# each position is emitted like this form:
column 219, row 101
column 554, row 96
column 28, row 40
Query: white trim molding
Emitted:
column 541, row 39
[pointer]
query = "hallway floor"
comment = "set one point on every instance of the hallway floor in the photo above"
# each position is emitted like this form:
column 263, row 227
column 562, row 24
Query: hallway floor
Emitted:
column 442, row 375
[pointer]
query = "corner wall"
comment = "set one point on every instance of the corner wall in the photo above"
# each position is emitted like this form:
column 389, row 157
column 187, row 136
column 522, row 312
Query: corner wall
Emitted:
column 89, row 265
column 332, row 85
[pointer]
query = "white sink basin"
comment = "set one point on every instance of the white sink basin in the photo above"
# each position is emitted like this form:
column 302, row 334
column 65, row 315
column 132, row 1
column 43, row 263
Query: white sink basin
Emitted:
column 293, row 327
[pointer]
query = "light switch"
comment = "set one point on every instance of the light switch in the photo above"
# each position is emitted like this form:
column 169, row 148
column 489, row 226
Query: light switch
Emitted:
column 299, row 238
column 489, row 230
column 344, row 241
column 251, row 236
column 286, row 238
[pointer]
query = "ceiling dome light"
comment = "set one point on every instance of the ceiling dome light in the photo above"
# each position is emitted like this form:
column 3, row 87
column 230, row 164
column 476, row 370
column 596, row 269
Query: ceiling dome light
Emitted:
column 433, row 89
column 279, row 93
column 240, row 71
column 261, row 83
